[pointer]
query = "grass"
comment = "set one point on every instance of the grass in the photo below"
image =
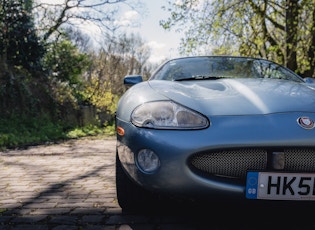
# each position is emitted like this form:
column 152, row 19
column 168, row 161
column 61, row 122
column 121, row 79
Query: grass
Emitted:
column 18, row 131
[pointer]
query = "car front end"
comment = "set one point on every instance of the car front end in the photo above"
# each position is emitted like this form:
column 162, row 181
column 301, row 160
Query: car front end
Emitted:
column 213, row 162
column 217, row 137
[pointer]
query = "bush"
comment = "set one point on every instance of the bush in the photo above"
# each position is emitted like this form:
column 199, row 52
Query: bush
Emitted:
column 23, row 130
column 20, row 131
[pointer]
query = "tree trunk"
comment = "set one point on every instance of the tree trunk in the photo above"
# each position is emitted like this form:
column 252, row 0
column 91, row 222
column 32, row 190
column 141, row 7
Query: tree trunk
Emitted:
column 292, row 13
column 311, row 51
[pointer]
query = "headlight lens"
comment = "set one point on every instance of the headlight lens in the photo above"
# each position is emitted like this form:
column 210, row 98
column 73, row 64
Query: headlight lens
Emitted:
column 167, row 115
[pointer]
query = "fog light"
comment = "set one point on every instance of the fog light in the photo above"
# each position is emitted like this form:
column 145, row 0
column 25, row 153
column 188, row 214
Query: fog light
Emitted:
column 148, row 161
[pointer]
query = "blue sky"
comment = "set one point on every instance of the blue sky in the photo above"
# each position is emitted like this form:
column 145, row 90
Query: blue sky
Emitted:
column 164, row 44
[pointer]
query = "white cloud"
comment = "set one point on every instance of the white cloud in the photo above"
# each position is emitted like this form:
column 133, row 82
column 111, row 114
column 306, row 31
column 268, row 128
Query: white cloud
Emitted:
column 157, row 51
column 129, row 18
column 154, row 45
column 163, row 44
column 179, row 3
column 130, row 15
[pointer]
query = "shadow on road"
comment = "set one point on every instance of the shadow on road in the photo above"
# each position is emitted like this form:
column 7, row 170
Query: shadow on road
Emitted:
column 73, row 187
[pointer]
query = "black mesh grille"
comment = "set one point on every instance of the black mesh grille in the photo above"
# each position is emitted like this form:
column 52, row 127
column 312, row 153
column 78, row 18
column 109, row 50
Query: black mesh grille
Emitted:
column 299, row 159
column 234, row 163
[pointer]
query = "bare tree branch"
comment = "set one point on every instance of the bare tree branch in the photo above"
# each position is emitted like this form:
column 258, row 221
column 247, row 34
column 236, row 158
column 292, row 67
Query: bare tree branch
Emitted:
column 51, row 17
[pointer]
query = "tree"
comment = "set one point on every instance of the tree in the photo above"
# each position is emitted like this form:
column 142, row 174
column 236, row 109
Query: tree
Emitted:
column 120, row 56
column 22, row 86
column 64, row 62
column 135, row 51
column 97, row 14
column 280, row 30
column 19, row 43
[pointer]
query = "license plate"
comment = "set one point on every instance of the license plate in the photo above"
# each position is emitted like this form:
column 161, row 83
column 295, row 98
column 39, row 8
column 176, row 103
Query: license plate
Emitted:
column 280, row 186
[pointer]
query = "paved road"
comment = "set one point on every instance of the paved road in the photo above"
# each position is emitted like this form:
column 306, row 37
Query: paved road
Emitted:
column 72, row 186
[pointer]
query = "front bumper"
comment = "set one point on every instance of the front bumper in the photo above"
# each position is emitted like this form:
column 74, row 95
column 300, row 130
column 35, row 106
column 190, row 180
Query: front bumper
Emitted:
column 176, row 149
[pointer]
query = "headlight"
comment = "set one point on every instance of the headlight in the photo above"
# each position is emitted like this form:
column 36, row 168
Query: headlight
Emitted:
column 167, row 115
column 148, row 161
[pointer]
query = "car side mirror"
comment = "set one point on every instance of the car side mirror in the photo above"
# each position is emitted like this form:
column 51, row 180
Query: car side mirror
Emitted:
column 131, row 80
column 309, row 80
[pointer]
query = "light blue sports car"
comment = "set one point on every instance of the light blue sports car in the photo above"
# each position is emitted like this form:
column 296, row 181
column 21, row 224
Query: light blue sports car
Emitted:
column 214, row 128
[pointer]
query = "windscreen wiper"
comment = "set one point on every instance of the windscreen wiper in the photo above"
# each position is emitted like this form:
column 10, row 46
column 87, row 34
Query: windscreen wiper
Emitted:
column 199, row 77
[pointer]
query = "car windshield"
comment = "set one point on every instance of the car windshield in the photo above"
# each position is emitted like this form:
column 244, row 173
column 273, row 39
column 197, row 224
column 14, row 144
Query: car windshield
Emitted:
column 217, row 67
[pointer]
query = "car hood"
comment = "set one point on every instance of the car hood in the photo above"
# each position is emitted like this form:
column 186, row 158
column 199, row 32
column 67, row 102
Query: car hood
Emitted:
column 239, row 96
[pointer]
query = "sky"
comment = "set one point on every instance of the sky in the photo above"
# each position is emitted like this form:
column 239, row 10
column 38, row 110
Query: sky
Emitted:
column 164, row 44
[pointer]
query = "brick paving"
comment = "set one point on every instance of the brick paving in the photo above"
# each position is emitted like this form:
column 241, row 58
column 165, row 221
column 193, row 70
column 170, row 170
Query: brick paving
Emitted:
column 71, row 186
column 58, row 186
column 68, row 186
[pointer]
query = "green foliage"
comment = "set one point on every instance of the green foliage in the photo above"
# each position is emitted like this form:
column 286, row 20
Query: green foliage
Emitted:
column 99, row 94
column 282, row 31
column 19, row 131
column 2, row 210
column 44, row 85
column 21, row 93
column 92, row 130
column 64, row 62
column 19, row 44
column 65, row 65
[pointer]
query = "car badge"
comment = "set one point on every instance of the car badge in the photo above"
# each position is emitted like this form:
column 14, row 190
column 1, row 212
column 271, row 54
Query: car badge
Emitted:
column 305, row 122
